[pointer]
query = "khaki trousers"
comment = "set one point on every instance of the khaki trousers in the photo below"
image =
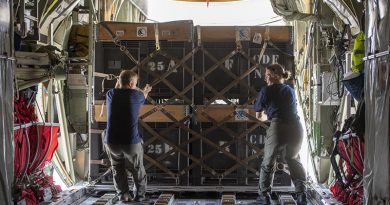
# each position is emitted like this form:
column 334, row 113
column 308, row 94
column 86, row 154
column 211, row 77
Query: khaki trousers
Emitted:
column 133, row 154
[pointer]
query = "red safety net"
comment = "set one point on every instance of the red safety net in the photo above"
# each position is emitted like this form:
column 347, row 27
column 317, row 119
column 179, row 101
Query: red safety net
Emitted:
column 34, row 145
column 349, row 188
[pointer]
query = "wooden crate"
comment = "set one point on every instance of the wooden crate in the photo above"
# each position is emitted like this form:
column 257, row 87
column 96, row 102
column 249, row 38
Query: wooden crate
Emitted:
column 177, row 111
column 228, row 33
column 221, row 112
column 169, row 31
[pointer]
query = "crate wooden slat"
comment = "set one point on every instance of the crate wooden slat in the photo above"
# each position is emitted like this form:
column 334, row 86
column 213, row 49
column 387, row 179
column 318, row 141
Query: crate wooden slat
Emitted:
column 32, row 58
column 177, row 111
column 221, row 112
column 170, row 31
column 228, row 33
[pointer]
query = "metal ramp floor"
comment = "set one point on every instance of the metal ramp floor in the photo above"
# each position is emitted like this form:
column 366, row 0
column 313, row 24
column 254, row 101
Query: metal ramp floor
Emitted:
column 105, row 195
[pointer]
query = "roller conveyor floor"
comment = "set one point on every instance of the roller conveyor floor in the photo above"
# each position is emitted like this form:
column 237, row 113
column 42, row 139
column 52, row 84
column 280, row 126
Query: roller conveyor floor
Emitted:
column 92, row 200
column 104, row 194
column 107, row 198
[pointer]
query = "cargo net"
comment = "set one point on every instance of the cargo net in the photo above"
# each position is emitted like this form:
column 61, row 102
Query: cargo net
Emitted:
column 198, row 125
column 348, row 169
column 34, row 146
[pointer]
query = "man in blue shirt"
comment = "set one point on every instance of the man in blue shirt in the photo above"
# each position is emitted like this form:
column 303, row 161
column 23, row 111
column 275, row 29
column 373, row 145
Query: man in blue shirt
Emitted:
column 278, row 102
column 122, row 140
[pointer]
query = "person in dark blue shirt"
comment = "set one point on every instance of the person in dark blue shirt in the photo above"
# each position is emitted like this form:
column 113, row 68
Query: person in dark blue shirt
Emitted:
column 122, row 139
column 277, row 102
column 123, row 106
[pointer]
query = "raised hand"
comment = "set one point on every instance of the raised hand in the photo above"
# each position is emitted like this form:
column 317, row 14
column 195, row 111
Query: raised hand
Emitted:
column 147, row 88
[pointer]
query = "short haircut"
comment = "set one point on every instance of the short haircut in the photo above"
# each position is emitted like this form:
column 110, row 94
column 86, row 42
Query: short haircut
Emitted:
column 127, row 76
column 278, row 69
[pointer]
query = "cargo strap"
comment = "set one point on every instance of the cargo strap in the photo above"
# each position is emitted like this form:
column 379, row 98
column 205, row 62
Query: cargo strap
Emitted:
column 198, row 30
column 118, row 42
column 334, row 162
column 105, row 77
column 201, row 78
column 198, row 136
column 238, row 40
column 280, row 50
column 156, row 36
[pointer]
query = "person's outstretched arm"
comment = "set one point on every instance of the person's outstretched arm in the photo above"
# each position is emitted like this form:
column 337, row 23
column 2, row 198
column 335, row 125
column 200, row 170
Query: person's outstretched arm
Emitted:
column 146, row 90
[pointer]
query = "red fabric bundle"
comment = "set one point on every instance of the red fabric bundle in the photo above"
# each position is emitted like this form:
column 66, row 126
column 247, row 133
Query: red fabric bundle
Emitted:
column 47, row 188
column 24, row 111
column 28, row 196
column 33, row 146
column 20, row 153
column 340, row 193
column 48, row 143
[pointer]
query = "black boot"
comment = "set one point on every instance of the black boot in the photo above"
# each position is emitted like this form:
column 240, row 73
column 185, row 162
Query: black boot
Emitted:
column 140, row 198
column 301, row 198
column 125, row 196
column 263, row 199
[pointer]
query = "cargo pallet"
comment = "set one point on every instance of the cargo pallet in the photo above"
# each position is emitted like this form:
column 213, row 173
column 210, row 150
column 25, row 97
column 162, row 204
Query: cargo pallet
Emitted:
column 198, row 124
